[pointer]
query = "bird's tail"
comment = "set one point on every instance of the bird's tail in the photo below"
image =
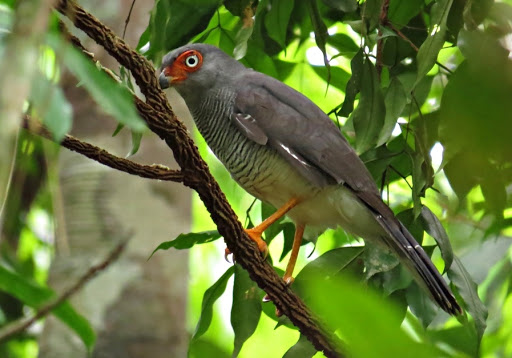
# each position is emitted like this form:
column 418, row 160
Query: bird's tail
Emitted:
column 411, row 254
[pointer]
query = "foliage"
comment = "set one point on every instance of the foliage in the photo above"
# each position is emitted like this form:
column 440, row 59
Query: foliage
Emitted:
column 421, row 90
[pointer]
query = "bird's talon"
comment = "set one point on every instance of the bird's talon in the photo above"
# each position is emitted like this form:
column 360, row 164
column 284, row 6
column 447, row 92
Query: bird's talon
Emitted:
column 227, row 252
column 266, row 299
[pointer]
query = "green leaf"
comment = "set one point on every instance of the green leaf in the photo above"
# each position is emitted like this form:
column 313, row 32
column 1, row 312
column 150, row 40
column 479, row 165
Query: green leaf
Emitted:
column 112, row 97
column 205, row 348
column 302, row 349
column 174, row 23
column 51, row 104
column 369, row 316
column 136, row 138
column 210, row 297
column 36, row 296
column 353, row 85
column 344, row 44
column 370, row 113
column 400, row 12
column 421, row 305
column 321, row 34
column 331, row 263
column 186, row 241
column 288, row 234
column 468, row 290
column 277, row 20
column 339, row 78
column 435, row 229
column 395, row 100
column 246, row 309
column 428, row 51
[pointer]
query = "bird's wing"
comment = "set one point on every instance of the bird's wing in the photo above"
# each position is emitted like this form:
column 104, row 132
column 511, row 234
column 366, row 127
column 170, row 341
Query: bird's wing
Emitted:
column 269, row 112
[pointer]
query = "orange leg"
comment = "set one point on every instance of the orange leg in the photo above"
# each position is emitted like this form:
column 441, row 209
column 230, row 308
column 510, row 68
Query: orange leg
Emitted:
column 297, row 240
column 255, row 232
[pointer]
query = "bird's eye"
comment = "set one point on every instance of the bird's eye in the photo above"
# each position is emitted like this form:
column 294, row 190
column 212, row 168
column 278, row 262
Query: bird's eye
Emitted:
column 192, row 61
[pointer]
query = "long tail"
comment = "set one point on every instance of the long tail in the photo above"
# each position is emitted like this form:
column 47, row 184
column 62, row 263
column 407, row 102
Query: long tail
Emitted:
column 411, row 254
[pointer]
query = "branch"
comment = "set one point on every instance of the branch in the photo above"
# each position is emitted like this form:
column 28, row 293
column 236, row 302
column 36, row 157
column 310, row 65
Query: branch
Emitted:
column 21, row 325
column 161, row 119
column 154, row 171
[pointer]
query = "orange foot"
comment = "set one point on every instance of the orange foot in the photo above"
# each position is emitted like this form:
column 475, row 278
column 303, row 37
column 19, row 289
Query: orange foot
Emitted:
column 255, row 235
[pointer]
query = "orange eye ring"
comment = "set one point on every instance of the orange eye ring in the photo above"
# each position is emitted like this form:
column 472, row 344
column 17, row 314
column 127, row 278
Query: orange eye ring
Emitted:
column 190, row 60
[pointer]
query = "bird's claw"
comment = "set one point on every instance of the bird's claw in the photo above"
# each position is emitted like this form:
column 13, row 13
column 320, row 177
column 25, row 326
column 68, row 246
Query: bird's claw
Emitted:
column 227, row 252
column 255, row 235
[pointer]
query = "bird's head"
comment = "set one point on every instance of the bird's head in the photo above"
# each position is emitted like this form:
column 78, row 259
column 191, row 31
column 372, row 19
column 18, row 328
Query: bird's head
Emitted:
column 196, row 67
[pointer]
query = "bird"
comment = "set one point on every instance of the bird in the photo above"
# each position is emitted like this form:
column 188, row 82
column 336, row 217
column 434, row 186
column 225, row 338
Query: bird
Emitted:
column 283, row 149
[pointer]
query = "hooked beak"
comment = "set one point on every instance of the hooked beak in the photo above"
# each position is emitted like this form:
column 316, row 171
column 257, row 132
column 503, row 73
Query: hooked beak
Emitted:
column 164, row 81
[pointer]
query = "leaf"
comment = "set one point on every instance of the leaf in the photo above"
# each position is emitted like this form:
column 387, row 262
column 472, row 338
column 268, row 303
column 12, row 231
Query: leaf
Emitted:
column 428, row 51
column 342, row 5
column 353, row 85
column 331, row 263
column 395, row 100
column 468, row 290
column 112, row 97
column 246, row 309
column 435, row 229
column 136, row 138
column 36, row 296
column 237, row 7
column 51, row 104
column 400, row 12
column 370, row 113
column 288, row 234
column 277, row 20
column 210, row 297
column 344, row 44
column 174, row 23
column 321, row 34
column 302, row 349
column 421, row 305
column 339, row 78
column 186, row 241
column 206, row 348
column 369, row 316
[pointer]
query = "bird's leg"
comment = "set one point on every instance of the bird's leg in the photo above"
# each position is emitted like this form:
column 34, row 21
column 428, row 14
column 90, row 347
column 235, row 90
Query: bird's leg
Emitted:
column 297, row 240
column 255, row 232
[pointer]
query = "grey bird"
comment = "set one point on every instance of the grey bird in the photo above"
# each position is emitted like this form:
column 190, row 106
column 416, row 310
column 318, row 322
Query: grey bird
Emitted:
column 284, row 150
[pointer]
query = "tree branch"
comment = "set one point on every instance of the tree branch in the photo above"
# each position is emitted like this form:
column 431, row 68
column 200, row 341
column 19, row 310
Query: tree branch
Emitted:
column 21, row 325
column 154, row 171
column 161, row 119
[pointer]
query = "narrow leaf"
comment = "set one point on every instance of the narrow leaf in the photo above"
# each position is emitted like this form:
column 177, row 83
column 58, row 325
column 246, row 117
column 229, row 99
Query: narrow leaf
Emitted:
column 321, row 34
column 395, row 101
column 468, row 290
column 35, row 296
column 210, row 297
column 353, row 85
column 246, row 309
column 428, row 51
column 112, row 97
column 369, row 115
column 277, row 20
column 435, row 229
column 186, row 241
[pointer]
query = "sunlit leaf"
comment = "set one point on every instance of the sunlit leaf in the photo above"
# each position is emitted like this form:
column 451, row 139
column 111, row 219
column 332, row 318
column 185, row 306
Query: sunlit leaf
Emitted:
column 428, row 51
column 112, row 97
column 343, row 43
column 246, row 309
column 321, row 34
column 277, row 19
column 36, row 296
column 186, row 241
column 136, row 138
column 210, row 297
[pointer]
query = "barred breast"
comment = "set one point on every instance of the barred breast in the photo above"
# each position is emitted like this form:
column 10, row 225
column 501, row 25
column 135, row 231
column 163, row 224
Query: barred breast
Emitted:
column 259, row 169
